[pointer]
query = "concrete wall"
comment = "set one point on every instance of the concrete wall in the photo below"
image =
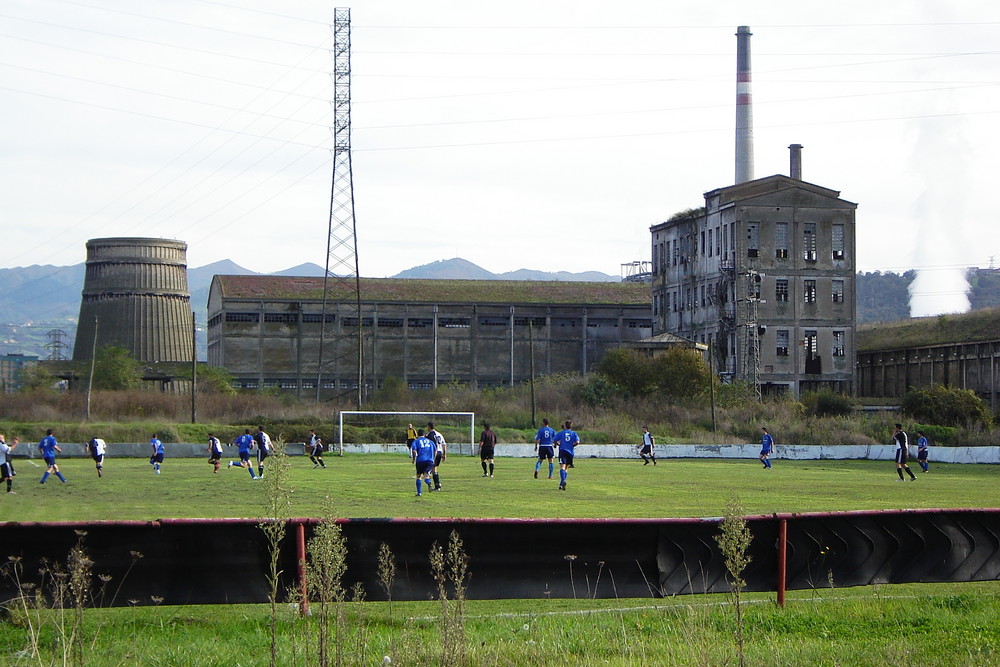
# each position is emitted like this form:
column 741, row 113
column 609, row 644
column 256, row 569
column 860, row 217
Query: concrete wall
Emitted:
column 795, row 452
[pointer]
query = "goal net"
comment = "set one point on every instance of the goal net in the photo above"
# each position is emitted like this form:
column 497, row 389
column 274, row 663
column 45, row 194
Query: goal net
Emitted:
column 447, row 423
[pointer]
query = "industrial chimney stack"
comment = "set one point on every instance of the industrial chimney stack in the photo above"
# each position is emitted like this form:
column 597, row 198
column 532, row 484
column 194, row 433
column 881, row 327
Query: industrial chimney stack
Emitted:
column 744, row 108
column 795, row 161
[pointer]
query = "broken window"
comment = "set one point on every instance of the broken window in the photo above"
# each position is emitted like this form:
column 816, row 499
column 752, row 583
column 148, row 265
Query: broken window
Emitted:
column 809, row 241
column 838, row 291
column 837, row 241
column 838, row 343
column 781, row 290
column 781, row 339
column 810, row 291
column 753, row 239
column 781, row 240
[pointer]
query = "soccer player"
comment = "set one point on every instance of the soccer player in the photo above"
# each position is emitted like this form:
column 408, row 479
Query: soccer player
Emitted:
column 922, row 451
column 646, row 448
column 263, row 441
column 566, row 440
column 97, row 447
column 48, row 447
column 422, row 453
column 766, row 446
column 487, row 445
column 214, row 452
column 245, row 445
column 902, row 452
column 543, row 447
column 157, row 458
column 6, row 465
column 441, row 452
column 316, row 448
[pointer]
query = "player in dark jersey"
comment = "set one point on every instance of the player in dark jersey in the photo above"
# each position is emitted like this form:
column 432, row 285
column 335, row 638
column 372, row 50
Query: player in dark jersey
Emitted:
column 902, row 452
column 487, row 445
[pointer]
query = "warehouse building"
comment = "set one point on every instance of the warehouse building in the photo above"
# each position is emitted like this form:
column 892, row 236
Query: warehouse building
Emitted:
column 266, row 330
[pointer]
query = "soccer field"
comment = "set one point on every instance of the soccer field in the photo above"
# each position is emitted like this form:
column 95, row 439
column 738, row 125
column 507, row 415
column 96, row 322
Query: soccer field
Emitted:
column 382, row 485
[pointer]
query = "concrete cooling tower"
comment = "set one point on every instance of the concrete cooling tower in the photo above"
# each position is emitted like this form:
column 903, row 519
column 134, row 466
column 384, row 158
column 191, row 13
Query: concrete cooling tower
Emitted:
column 137, row 290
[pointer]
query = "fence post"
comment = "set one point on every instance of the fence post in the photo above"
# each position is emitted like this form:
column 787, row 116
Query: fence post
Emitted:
column 782, row 559
column 300, row 553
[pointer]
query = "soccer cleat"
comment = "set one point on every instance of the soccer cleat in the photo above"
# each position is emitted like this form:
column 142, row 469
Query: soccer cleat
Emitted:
column 550, row 476
column 491, row 476
column 562, row 486
column 419, row 494
column 230, row 465
column 315, row 466
column 484, row 474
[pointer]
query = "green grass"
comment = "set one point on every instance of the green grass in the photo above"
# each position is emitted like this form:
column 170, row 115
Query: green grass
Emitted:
column 942, row 625
column 363, row 485
column 912, row 624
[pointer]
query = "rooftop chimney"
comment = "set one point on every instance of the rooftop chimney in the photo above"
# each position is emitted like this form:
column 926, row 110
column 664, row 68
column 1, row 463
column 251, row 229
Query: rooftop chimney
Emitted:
column 795, row 160
column 744, row 109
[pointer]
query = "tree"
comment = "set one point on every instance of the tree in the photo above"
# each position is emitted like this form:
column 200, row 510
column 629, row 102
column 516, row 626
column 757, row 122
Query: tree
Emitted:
column 215, row 380
column 677, row 373
column 946, row 406
column 116, row 369
column 36, row 377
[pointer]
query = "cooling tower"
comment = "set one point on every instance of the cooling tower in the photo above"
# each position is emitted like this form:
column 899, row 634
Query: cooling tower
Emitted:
column 137, row 290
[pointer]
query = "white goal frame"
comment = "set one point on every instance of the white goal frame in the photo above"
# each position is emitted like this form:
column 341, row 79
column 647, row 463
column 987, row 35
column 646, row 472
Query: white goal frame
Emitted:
column 340, row 421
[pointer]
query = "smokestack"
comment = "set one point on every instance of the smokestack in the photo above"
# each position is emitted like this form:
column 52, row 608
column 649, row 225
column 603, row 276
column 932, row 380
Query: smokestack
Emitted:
column 744, row 108
column 795, row 161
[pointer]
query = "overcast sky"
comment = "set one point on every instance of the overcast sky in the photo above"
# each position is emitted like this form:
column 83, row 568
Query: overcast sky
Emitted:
column 542, row 134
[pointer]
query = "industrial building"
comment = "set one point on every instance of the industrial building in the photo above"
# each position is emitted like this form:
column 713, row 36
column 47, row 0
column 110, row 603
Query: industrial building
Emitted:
column 266, row 330
column 11, row 366
column 763, row 274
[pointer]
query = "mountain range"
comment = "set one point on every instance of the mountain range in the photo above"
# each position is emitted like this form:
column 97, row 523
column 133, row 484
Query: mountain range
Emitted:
column 40, row 299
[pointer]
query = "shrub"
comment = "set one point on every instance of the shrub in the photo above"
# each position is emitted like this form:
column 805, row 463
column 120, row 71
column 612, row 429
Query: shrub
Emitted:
column 828, row 403
column 946, row 406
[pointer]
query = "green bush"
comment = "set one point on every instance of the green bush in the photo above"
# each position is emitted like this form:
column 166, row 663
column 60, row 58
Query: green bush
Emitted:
column 828, row 403
column 946, row 406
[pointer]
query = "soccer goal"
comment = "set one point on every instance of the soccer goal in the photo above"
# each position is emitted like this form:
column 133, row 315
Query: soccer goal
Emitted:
column 403, row 418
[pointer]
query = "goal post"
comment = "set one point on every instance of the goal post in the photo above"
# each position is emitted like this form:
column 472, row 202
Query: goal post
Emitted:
column 392, row 413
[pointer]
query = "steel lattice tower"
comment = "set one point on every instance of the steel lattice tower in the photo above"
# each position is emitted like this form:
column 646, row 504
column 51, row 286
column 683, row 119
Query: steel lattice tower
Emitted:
column 342, row 282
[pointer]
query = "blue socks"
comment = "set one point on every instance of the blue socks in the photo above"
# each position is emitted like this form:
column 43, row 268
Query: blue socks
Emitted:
column 562, row 476
column 550, row 468
column 45, row 476
column 59, row 475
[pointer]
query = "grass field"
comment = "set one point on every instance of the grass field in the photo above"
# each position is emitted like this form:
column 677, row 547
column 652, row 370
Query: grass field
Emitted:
column 932, row 625
column 365, row 485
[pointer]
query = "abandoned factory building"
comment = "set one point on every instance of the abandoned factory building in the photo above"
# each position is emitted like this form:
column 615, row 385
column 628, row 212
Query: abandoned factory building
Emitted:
column 266, row 330
column 764, row 275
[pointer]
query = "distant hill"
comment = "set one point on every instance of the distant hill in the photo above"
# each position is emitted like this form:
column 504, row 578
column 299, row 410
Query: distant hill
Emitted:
column 461, row 269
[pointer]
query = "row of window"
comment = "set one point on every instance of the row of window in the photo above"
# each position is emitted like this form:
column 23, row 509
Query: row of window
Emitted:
column 809, row 291
column 717, row 242
column 781, row 241
column 291, row 383
column 712, row 294
column 423, row 322
column 810, row 343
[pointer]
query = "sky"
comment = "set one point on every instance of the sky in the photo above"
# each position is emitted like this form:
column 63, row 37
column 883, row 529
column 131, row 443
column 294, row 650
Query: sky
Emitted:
column 539, row 134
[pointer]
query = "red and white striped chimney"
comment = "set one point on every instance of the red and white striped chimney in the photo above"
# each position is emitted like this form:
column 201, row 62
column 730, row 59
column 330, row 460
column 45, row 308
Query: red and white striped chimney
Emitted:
column 744, row 107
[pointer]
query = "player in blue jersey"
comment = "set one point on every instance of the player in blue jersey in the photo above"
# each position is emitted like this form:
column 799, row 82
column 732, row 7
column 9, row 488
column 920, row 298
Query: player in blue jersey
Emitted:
column 157, row 457
column 922, row 451
column 543, row 447
column 766, row 447
column 647, row 448
column 245, row 445
column 48, row 447
column 6, row 465
column 566, row 440
column 422, row 452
